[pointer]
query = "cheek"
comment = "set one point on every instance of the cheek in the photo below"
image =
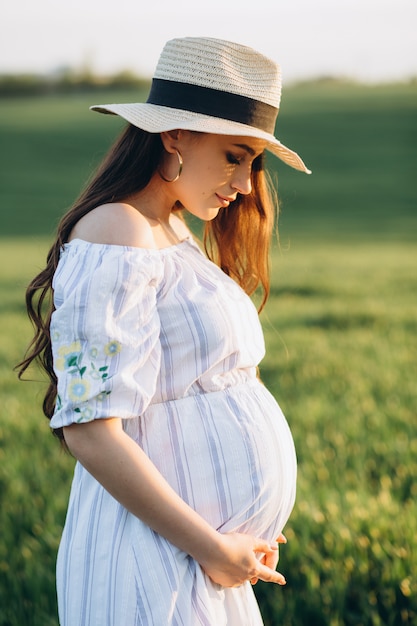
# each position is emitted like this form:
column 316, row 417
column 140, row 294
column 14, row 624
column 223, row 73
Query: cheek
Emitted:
column 202, row 179
column 202, row 182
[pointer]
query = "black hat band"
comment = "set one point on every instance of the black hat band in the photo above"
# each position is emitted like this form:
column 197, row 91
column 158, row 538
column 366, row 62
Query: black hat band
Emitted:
column 213, row 102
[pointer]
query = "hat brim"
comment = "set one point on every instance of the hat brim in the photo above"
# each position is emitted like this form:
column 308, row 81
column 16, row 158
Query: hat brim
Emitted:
column 156, row 119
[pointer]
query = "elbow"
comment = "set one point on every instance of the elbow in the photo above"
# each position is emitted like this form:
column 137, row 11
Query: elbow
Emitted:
column 75, row 439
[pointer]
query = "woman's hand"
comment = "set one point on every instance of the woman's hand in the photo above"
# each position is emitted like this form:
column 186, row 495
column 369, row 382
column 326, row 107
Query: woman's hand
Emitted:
column 271, row 560
column 237, row 561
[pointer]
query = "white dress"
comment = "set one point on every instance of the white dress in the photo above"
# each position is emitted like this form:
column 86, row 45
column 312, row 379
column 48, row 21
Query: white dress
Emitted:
column 166, row 341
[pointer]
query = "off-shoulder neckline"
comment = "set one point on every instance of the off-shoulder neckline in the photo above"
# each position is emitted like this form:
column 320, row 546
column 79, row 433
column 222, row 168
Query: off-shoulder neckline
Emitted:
column 77, row 241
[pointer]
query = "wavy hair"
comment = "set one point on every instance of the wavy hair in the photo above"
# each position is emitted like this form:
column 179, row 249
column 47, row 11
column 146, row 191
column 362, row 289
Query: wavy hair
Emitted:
column 237, row 239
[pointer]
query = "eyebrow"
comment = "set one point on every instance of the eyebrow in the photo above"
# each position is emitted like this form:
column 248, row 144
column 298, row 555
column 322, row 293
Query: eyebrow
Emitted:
column 245, row 147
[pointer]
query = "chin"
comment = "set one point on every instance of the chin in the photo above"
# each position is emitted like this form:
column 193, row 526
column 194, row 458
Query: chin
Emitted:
column 213, row 213
column 205, row 215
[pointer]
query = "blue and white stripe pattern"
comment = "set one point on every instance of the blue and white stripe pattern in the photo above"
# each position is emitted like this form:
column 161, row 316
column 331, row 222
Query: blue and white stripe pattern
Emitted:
column 166, row 341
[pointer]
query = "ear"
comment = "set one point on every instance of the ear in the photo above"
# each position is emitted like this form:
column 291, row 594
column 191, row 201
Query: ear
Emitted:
column 170, row 139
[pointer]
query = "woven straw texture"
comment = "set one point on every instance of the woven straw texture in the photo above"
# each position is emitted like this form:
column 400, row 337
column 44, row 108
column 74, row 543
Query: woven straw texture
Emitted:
column 221, row 65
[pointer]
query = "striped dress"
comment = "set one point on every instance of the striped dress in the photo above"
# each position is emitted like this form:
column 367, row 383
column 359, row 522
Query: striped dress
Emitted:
column 166, row 341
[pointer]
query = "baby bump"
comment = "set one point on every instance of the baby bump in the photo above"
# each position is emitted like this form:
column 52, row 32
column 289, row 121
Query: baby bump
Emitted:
column 229, row 454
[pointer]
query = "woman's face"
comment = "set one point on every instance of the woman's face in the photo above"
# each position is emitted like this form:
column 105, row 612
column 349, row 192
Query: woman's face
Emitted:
column 216, row 169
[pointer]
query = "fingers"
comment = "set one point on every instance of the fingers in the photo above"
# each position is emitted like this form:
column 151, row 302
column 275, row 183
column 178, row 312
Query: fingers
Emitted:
column 260, row 545
column 267, row 571
column 270, row 576
column 269, row 561
column 246, row 558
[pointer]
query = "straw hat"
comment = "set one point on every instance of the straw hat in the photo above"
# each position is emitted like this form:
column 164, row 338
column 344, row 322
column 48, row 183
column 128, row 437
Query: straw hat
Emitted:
column 213, row 86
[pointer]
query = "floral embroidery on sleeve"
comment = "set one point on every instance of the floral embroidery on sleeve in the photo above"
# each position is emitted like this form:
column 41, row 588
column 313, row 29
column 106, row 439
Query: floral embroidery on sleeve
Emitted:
column 83, row 369
column 112, row 348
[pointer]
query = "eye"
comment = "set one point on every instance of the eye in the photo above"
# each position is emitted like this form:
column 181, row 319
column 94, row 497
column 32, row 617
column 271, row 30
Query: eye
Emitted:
column 231, row 158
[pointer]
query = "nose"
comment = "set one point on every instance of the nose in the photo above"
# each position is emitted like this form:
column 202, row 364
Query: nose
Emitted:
column 242, row 181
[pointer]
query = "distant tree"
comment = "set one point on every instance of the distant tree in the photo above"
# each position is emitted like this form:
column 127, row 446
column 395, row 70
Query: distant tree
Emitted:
column 67, row 80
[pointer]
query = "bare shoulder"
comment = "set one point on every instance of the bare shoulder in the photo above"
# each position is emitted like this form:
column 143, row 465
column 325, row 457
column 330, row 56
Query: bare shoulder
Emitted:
column 116, row 224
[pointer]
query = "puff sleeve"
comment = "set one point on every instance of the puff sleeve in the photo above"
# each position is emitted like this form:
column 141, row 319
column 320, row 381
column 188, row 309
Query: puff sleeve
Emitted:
column 105, row 331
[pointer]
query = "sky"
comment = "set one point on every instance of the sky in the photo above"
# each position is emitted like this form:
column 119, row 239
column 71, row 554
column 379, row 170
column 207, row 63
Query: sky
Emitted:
column 366, row 40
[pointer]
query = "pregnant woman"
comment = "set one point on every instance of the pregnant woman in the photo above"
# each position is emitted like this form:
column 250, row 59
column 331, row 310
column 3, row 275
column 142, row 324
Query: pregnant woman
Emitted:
column 186, row 470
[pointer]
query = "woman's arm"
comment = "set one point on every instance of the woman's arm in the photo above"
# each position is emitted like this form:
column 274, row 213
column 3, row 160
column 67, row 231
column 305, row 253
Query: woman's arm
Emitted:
column 125, row 471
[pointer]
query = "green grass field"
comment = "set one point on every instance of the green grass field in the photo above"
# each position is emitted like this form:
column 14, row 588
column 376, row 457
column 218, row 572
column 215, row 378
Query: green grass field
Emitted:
column 341, row 335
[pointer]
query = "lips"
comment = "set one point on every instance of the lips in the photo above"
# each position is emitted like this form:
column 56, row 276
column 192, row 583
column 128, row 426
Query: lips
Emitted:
column 224, row 200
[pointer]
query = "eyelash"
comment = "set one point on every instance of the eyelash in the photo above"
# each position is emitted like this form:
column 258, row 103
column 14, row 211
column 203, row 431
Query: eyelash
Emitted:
column 232, row 159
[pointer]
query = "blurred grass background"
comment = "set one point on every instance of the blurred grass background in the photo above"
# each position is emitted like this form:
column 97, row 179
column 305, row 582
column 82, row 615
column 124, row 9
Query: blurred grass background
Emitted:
column 340, row 331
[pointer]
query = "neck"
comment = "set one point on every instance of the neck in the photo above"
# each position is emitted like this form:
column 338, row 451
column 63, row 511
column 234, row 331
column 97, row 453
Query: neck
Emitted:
column 155, row 201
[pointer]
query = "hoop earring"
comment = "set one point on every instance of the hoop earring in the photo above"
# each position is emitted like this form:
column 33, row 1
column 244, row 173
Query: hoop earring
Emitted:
column 180, row 164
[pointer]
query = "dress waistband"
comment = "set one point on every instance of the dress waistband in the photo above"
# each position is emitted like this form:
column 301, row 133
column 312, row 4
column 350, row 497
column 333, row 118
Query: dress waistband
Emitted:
column 230, row 389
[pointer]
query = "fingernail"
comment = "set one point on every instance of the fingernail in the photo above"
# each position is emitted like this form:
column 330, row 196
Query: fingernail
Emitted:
column 282, row 581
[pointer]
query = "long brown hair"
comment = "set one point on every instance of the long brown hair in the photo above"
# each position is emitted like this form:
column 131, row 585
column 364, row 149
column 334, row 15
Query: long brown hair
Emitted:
column 237, row 239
